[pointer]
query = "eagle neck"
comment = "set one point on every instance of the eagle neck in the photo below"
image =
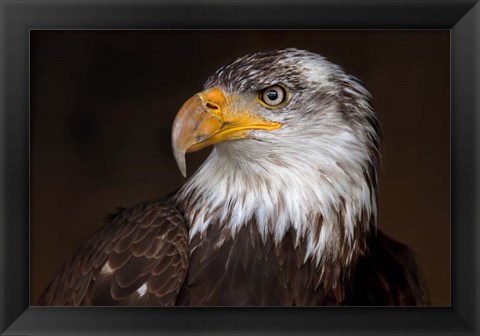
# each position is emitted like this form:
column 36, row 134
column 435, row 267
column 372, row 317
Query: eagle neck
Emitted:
column 330, row 205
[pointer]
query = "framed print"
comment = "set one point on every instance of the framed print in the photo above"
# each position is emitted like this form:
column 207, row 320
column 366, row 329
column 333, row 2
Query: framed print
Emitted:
column 90, row 91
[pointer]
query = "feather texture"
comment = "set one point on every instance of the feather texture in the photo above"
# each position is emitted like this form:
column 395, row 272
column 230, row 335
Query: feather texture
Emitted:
column 140, row 257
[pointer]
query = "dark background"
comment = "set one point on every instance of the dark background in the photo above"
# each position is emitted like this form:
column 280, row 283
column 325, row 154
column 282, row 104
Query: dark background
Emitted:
column 102, row 105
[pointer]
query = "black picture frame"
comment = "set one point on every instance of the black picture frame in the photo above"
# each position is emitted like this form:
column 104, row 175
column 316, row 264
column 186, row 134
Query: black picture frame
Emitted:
column 18, row 17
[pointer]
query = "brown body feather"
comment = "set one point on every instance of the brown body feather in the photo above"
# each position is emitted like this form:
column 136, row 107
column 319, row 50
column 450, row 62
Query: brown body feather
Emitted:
column 148, row 245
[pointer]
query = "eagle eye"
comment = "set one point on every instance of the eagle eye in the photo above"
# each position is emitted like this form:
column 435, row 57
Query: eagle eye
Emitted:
column 273, row 96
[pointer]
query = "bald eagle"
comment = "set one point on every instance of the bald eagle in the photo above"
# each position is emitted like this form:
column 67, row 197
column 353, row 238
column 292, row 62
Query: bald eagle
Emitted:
column 283, row 212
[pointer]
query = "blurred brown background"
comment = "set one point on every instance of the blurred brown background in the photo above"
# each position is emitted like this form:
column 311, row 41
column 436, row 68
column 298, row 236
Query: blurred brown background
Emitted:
column 102, row 105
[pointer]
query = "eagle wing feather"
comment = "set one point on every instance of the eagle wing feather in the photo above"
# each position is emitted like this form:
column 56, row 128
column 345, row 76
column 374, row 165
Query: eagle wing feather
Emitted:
column 140, row 257
column 389, row 274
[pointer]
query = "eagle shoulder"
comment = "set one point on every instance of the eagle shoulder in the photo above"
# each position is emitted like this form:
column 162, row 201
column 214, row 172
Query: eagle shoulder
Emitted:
column 139, row 257
column 389, row 274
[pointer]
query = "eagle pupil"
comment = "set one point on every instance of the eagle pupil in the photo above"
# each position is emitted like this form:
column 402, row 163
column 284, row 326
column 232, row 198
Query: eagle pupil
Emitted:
column 272, row 95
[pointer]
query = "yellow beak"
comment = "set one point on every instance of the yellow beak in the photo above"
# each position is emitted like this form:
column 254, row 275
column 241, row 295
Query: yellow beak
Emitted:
column 210, row 117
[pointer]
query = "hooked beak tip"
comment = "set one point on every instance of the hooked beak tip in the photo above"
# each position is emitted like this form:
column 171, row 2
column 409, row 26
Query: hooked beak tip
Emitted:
column 183, row 169
column 180, row 160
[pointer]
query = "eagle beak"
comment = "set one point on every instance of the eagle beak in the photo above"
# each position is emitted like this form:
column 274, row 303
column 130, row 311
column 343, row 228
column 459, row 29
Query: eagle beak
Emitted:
column 210, row 117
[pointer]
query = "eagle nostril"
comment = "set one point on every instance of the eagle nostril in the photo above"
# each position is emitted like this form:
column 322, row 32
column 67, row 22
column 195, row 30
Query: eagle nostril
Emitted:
column 211, row 106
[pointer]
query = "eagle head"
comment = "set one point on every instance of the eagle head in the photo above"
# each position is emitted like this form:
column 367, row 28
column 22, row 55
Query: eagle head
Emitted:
column 295, row 147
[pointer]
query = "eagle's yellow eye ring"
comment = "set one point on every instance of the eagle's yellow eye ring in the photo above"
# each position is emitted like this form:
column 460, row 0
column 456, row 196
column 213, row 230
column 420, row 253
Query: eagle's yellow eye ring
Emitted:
column 274, row 96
